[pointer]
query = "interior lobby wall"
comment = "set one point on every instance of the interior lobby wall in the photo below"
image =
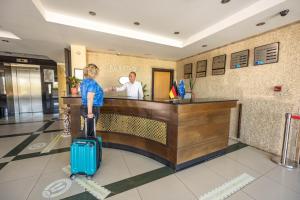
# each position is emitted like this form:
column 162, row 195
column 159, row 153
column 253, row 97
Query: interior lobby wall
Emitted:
column 263, row 113
column 78, row 56
column 112, row 67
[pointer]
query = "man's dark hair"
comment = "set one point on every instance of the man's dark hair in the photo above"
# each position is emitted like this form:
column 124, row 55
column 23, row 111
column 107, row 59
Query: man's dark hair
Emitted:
column 133, row 73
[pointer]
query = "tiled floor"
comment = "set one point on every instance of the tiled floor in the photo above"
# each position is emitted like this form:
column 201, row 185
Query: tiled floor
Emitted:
column 135, row 177
column 11, row 129
column 27, row 117
column 43, row 140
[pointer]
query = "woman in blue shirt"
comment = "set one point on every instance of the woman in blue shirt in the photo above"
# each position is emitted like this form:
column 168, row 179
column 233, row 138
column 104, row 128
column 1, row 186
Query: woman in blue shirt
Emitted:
column 92, row 95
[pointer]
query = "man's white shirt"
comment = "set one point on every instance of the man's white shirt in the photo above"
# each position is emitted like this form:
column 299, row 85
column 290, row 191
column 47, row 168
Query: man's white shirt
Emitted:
column 133, row 90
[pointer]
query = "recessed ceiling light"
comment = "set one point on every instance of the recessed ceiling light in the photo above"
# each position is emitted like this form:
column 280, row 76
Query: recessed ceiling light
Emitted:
column 137, row 23
column 224, row 1
column 261, row 24
column 118, row 53
column 92, row 13
column 284, row 12
column 5, row 41
column 205, row 45
column 176, row 33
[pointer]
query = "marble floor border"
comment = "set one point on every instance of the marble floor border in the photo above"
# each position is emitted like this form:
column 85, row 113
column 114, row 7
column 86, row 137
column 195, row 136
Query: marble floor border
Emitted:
column 39, row 154
column 16, row 135
column 20, row 147
column 45, row 126
column 3, row 165
column 13, row 123
column 26, row 122
column 30, row 133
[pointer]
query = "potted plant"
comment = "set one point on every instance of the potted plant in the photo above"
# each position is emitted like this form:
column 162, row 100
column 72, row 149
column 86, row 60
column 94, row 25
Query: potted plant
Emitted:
column 192, row 82
column 74, row 83
column 144, row 86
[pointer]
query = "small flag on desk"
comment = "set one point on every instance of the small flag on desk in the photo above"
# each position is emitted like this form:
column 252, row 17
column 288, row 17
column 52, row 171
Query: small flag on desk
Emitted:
column 173, row 93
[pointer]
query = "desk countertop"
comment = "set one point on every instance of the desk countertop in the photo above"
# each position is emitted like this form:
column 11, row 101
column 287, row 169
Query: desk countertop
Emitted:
column 168, row 101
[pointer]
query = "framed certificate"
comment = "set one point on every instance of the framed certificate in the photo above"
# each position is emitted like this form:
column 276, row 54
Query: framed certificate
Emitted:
column 188, row 70
column 201, row 68
column 218, row 65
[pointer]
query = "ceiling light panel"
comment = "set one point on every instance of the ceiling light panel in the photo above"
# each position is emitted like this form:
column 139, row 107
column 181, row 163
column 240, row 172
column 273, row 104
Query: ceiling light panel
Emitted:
column 237, row 17
column 80, row 22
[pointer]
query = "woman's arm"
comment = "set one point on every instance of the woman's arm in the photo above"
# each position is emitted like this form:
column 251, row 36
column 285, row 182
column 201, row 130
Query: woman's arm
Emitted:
column 90, row 103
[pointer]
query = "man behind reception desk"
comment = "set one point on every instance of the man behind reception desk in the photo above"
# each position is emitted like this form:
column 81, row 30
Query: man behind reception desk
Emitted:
column 133, row 88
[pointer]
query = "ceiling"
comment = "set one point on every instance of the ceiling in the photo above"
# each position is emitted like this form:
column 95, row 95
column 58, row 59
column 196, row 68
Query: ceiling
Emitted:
column 46, row 27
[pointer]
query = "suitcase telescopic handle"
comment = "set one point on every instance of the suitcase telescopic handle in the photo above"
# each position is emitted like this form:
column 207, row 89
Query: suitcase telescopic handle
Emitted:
column 85, row 127
column 95, row 134
column 81, row 143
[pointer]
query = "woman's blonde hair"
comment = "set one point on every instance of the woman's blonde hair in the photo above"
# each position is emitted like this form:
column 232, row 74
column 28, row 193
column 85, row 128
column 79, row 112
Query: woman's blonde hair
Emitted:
column 90, row 71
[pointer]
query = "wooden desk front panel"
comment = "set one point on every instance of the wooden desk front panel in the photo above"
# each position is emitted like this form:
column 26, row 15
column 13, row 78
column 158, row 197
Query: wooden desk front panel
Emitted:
column 202, row 129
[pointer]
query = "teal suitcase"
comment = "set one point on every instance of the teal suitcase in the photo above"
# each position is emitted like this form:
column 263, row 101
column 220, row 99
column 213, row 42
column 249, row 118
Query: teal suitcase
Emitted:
column 86, row 155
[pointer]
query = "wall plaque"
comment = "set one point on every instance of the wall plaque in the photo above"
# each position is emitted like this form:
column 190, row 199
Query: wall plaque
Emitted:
column 218, row 71
column 201, row 68
column 188, row 70
column 266, row 54
column 48, row 75
column 218, row 65
column 239, row 59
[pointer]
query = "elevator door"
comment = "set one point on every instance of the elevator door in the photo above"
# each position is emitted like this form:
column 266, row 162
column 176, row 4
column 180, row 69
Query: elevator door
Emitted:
column 29, row 90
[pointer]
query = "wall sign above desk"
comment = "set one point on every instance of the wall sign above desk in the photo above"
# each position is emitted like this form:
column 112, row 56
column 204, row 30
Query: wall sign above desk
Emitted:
column 201, row 68
column 188, row 70
column 266, row 54
column 239, row 59
column 21, row 60
column 218, row 65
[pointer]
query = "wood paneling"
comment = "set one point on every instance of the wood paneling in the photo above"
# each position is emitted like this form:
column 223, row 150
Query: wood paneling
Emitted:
column 203, row 107
column 200, row 134
column 199, row 150
column 202, row 129
column 75, row 121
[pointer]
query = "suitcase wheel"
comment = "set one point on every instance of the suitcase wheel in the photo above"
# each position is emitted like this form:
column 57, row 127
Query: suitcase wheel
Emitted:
column 73, row 176
column 89, row 177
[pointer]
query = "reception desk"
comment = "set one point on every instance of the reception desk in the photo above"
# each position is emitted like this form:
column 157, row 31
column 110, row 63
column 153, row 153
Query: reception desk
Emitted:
column 177, row 133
